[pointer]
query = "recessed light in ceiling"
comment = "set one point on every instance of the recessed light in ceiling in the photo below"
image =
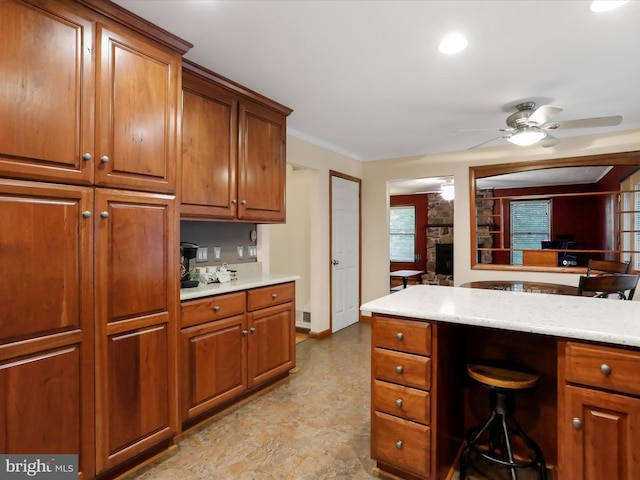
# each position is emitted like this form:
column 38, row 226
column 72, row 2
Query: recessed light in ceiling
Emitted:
column 606, row 5
column 453, row 43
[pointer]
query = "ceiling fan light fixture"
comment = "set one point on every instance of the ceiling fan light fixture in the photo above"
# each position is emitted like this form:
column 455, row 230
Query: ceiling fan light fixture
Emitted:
column 447, row 191
column 526, row 136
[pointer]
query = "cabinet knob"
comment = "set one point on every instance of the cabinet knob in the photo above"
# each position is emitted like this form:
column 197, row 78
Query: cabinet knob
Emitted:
column 104, row 214
column 86, row 214
column 577, row 423
column 243, row 202
column 274, row 296
column 399, row 403
column 399, row 336
column 216, row 308
column 87, row 156
column 244, row 333
column 605, row 369
column 252, row 329
column 104, row 159
column 234, row 201
column 399, row 444
column 399, row 369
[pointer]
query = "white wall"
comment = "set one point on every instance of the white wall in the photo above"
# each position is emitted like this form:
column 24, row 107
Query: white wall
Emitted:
column 375, row 224
column 320, row 161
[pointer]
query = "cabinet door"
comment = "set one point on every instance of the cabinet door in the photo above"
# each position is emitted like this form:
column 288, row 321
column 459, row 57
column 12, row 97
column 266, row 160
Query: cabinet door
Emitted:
column 271, row 342
column 209, row 150
column 47, row 92
column 214, row 362
column 46, row 320
column 138, row 89
column 136, row 304
column 261, row 165
column 600, row 433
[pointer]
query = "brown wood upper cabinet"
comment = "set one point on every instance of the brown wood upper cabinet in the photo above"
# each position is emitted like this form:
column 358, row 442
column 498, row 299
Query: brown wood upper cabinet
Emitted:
column 233, row 151
column 90, row 101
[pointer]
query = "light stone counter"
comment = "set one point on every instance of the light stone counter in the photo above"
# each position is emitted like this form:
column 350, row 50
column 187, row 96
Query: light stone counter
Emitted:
column 244, row 282
column 594, row 319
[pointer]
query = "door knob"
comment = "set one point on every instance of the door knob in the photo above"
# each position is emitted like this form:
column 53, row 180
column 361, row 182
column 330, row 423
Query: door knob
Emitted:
column 336, row 262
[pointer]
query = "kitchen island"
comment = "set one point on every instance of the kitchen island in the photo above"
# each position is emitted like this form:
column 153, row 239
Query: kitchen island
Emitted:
column 585, row 413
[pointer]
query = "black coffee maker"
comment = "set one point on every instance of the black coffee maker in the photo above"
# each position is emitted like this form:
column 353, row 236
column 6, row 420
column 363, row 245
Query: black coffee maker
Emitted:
column 188, row 251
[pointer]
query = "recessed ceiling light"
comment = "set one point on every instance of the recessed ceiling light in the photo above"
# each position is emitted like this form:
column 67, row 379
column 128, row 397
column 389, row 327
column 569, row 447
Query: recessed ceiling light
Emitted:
column 453, row 43
column 606, row 5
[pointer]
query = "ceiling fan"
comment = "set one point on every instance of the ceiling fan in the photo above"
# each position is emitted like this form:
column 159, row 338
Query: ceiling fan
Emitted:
column 530, row 125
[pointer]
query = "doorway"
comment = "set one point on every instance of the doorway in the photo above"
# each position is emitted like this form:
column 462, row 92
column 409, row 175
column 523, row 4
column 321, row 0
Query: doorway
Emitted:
column 345, row 250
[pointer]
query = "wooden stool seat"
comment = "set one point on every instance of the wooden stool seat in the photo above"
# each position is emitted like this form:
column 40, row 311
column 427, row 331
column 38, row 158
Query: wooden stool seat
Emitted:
column 500, row 377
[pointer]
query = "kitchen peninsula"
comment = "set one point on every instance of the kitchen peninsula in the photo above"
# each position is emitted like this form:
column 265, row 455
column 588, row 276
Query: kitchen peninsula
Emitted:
column 585, row 413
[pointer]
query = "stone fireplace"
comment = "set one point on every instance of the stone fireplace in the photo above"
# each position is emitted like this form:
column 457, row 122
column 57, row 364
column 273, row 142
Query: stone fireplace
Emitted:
column 439, row 232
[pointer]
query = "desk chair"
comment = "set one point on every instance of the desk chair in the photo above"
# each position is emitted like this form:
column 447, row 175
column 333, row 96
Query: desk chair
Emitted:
column 598, row 267
column 501, row 440
column 621, row 285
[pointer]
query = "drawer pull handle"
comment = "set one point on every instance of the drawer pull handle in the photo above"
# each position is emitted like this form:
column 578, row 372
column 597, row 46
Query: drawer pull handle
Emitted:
column 577, row 423
column 252, row 329
column 86, row 157
column 399, row 444
column 274, row 295
column 399, row 403
column 400, row 336
column 244, row 333
column 399, row 369
column 216, row 308
column 104, row 159
column 605, row 369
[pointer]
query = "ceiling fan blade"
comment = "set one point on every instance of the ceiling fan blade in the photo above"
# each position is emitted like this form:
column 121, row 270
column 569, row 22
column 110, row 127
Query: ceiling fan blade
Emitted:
column 542, row 114
column 587, row 123
column 549, row 141
column 484, row 143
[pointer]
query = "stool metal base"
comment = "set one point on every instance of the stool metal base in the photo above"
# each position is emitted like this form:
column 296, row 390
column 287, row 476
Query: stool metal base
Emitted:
column 497, row 447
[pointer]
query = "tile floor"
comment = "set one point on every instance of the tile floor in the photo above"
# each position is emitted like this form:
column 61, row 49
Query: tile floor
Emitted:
column 313, row 425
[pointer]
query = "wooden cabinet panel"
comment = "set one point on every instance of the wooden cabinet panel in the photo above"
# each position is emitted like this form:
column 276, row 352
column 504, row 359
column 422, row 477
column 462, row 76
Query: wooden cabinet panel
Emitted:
column 401, row 443
column 603, row 367
column 271, row 342
column 402, row 368
column 209, row 150
column 405, row 402
column 136, row 116
column 47, row 92
column 261, row 164
column 271, row 295
column 403, row 335
column 214, row 363
column 208, row 309
column 600, row 433
column 44, row 250
column 136, row 402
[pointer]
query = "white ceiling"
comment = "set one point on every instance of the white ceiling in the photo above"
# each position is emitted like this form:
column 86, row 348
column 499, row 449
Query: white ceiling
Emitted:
column 365, row 78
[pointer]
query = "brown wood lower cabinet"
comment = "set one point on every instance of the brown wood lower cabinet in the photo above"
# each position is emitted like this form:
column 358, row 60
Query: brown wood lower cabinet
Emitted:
column 226, row 350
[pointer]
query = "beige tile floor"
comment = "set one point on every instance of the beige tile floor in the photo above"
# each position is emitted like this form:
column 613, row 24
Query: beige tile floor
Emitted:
column 313, row 425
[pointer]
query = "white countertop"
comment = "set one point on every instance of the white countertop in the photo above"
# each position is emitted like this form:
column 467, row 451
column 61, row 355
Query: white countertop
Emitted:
column 245, row 282
column 584, row 318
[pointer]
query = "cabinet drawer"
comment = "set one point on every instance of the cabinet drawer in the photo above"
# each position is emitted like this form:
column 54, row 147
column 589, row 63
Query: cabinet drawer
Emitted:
column 402, row 335
column 401, row 443
column 603, row 367
column 212, row 308
column 272, row 295
column 402, row 368
column 404, row 402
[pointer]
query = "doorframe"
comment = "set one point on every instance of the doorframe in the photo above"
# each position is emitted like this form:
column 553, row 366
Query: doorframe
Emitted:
column 332, row 174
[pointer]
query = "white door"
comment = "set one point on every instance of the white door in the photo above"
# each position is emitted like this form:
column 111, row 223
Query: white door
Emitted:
column 345, row 251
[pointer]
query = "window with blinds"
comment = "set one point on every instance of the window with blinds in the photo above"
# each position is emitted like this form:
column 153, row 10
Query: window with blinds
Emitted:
column 530, row 226
column 402, row 233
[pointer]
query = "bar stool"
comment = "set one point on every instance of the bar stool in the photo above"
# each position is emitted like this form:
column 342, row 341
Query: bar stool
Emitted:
column 494, row 440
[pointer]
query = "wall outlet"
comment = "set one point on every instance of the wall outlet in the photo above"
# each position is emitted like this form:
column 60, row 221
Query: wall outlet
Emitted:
column 217, row 253
column 252, row 251
column 240, row 252
column 202, row 255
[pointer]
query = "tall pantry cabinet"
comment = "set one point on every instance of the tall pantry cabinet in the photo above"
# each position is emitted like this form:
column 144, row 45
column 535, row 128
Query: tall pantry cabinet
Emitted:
column 88, row 231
